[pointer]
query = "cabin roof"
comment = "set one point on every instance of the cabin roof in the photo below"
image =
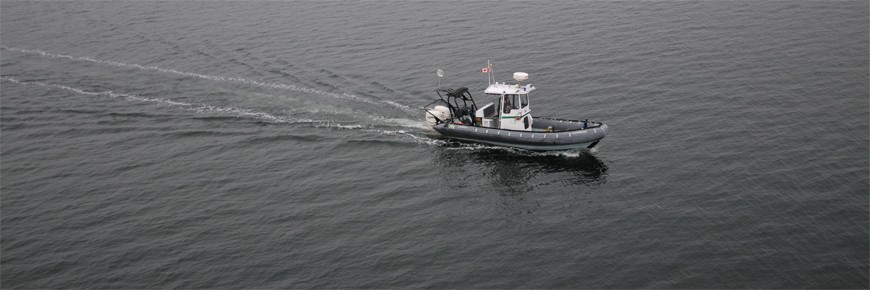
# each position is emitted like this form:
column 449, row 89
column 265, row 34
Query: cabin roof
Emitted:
column 506, row 88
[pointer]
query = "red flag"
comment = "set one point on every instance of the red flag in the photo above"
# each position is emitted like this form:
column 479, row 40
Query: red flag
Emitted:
column 485, row 70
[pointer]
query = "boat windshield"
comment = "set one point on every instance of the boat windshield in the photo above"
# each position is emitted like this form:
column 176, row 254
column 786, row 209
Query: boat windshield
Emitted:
column 509, row 102
column 514, row 101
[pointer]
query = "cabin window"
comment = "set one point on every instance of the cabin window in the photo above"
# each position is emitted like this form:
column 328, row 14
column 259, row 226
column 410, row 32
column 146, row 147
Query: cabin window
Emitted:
column 524, row 101
column 511, row 102
column 489, row 111
column 526, row 121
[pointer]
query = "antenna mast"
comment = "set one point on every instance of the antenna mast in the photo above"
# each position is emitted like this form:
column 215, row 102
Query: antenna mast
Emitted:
column 490, row 78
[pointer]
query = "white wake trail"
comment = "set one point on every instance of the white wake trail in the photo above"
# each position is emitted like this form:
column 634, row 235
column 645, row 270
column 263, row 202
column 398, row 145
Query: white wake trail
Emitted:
column 205, row 108
column 217, row 78
column 199, row 108
column 413, row 136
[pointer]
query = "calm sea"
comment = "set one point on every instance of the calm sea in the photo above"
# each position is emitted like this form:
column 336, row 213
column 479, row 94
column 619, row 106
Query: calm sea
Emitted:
column 281, row 144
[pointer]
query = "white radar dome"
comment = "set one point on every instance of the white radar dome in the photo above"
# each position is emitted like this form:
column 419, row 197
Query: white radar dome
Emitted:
column 521, row 76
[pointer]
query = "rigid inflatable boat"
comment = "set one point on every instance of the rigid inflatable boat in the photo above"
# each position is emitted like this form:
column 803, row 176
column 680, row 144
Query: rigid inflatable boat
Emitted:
column 507, row 120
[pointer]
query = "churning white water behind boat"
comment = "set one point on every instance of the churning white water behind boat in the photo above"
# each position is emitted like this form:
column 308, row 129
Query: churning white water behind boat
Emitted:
column 261, row 144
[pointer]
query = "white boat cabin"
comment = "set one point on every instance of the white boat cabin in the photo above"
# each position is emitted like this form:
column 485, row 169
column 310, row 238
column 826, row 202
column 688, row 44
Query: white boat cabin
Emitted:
column 511, row 109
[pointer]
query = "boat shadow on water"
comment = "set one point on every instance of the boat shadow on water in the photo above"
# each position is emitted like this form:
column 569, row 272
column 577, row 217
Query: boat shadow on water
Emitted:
column 516, row 171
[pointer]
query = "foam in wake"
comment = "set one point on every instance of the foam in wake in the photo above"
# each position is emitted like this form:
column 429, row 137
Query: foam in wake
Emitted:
column 205, row 108
column 199, row 108
column 219, row 78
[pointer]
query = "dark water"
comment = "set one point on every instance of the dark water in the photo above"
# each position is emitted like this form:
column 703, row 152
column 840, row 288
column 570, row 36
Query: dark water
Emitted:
column 280, row 144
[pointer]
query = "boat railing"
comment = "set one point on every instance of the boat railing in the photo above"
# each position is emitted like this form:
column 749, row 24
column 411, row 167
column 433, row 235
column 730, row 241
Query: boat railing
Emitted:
column 588, row 124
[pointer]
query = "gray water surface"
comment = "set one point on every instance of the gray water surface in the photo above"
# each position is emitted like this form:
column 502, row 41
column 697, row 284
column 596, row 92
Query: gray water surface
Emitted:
column 258, row 144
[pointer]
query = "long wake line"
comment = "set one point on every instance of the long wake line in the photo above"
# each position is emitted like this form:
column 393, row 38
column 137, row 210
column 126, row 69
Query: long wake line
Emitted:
column 200, row 108
column 204, row 108
column 217, row 78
